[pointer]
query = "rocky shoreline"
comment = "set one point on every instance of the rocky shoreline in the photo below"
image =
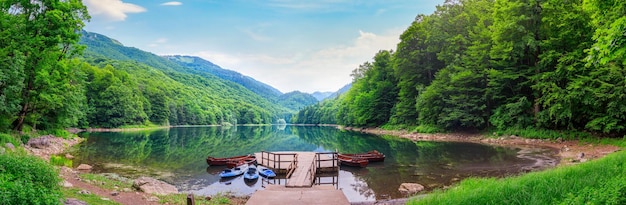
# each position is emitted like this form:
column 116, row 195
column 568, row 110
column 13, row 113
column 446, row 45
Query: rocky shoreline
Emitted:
column 570, row 152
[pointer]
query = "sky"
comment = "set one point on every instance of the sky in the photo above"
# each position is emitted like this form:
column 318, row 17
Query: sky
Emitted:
column 303, row 45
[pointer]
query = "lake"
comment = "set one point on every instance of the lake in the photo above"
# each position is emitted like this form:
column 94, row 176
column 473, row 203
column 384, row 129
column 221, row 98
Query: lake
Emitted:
column 177, row 156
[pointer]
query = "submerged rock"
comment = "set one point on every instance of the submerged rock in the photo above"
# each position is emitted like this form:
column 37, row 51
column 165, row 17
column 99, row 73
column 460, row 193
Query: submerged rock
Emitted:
column 410, row 188
column 154, row 186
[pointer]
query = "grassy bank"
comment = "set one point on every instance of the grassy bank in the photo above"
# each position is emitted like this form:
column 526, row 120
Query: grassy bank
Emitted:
column 601, row 181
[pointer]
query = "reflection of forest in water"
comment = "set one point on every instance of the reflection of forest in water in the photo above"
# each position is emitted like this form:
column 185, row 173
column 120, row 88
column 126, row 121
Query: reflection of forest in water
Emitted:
column 180, row 153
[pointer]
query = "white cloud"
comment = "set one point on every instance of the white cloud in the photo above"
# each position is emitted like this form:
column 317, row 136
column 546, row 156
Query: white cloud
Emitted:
column 161, row 40
column 172, row 3
column 322, row 70
column 113, row 10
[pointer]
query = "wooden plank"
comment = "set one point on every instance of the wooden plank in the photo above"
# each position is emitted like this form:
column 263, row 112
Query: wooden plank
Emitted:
column 301, row 176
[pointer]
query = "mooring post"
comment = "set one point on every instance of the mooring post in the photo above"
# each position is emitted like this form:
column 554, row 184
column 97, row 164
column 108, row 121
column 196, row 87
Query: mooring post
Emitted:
column 190, row 199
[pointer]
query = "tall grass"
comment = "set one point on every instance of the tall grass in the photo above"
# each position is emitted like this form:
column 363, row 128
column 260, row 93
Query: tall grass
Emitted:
column 536, row 133
column 601, row 181
column 7, row 138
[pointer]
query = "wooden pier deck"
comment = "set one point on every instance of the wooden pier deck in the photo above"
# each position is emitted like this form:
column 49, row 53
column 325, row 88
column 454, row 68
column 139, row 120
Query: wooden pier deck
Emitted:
column 300, row 167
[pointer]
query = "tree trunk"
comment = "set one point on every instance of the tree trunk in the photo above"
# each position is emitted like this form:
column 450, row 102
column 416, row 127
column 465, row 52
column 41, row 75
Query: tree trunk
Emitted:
column 19, row 122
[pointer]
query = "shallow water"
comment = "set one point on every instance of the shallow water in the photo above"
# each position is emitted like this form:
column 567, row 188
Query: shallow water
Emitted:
column 177, row 156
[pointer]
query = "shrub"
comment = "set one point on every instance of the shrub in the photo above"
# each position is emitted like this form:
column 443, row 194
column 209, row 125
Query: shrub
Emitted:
column 26, row 179
column 428, row 129
column 6, row 138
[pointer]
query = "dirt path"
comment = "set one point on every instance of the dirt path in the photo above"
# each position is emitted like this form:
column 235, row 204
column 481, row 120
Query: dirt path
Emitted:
column 133, row 197
column 56, row 145
column 570, row 152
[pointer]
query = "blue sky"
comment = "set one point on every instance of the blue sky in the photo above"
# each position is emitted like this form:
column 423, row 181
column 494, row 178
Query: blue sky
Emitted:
column 303, row 45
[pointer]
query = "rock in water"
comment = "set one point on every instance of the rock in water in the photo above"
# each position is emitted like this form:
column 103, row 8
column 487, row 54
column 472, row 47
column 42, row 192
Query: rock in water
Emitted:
column 153, row 186
column 410, row 188
column 84, row 167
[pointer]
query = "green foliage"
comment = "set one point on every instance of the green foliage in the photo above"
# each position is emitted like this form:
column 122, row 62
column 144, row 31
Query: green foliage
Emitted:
column 60, row 161
column 105, row 181
column 171, row 94
column 373, row 94
column 424, row 128
column 27, row 179
column 40, row 36
column 200, row 66
column 7, row 138
column 200, row 200
column 597, row 182
column 546, row 134
column 511, row 64
column 88, row 198
column 512, row 115
column 296, row 100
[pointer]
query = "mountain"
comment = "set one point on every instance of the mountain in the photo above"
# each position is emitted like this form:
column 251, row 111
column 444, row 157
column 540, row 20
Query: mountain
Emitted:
column 196, row 65
column 341, row 90
column 184, row 95
column 297, row 100
column 321, row 95
column 200, row 65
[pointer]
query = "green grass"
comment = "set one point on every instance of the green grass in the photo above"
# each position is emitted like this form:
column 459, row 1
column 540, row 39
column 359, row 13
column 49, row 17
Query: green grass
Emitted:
column 200, row 200
column 601, row 181
column 7, row 138
column 105, row 182
column 89, row 198
column 60, row 161
column 428, row 129
column 534, row 133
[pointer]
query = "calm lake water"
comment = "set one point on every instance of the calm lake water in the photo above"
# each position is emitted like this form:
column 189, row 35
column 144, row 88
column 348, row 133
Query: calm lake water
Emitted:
column 177, row 156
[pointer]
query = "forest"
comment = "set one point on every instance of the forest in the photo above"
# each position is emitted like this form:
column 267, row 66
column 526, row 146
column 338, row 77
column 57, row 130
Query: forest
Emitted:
column 54, row 75
column 487, row 64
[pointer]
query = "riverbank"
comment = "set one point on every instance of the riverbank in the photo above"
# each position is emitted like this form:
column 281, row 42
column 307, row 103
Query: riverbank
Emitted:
column 570, row 151
column 75, row 185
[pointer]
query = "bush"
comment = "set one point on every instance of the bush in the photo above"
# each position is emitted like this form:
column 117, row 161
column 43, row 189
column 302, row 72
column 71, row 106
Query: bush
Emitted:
column 428, row 129
column 7, row 138
column 26, row 179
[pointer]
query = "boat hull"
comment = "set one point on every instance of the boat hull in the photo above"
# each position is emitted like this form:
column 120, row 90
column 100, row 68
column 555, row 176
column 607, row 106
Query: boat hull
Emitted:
column 267, row 173
column 223, row 161
column 371, row 156
column 352, row 161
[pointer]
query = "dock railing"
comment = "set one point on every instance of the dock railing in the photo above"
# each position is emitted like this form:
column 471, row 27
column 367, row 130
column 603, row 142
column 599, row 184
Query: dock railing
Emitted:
column 313, row 169
column 334, row 159
column 277, row 161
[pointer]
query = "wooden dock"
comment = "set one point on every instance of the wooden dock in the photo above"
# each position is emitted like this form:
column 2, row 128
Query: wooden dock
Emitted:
column 300, row 167
column 274, row 194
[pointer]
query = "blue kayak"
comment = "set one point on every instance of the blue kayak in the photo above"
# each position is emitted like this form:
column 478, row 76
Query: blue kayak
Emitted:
column 251, row 174
column 267, row 173
column 232, row 172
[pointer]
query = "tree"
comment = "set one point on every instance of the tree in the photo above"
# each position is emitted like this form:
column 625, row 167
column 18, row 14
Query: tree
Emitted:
column 43, row 33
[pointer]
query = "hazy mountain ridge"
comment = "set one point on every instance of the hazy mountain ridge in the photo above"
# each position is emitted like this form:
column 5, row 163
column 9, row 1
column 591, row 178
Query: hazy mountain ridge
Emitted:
column 201, row 65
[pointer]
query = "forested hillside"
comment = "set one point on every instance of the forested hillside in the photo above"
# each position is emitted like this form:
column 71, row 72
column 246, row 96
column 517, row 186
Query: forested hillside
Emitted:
column 199, row 66
column 50, row 81
column 293, row 101
column 478, row 64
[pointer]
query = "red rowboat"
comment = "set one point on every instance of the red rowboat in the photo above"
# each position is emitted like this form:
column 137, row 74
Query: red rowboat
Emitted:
column 235, row 163
column 352, row 161
column 371, row 156
column 222, row 161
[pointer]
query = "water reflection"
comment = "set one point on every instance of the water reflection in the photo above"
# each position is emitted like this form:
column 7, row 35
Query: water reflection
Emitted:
column 178, row 156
